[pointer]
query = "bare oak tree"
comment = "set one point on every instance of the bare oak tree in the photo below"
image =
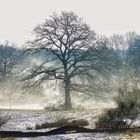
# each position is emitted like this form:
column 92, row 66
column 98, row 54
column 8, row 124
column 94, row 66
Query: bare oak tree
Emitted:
column 70, row 47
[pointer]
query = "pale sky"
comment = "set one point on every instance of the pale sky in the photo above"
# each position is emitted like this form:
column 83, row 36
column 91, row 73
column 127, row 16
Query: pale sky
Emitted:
column 19, row 17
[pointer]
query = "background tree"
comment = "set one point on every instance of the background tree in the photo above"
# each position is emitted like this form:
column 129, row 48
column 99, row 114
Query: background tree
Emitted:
column 9, row 59
column 71, row 49
column 122, row 70
column 133, row 54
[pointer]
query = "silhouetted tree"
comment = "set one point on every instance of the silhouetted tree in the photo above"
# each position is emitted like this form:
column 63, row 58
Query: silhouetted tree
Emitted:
column 133, row 54
column 74, row 49
column 121, row 46
column 8, row 58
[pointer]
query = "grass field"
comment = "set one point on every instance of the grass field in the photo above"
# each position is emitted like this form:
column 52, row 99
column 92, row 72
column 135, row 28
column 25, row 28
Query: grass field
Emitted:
column 21, row 110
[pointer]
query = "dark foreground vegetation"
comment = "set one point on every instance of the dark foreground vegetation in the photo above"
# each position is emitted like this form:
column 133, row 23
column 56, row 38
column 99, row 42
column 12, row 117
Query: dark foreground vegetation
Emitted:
column 63, row 122
column 61, row 130
column 125, row 114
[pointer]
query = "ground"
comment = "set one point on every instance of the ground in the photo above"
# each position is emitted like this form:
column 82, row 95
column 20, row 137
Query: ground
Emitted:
column 24, row 119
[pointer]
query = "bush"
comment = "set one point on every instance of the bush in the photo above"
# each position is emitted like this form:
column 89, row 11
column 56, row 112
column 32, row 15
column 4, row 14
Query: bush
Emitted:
column 128, row 101
column 58, row 123
column 113, row 119
column 51, row 108
column 80, row 122
column 60, row 107
column 63, row 122
column 128, row 106
column 29, row 128
column 54, row 107
column 4, row 118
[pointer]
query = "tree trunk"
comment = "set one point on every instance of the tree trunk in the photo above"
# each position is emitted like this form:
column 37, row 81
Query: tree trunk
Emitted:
column 68, row 104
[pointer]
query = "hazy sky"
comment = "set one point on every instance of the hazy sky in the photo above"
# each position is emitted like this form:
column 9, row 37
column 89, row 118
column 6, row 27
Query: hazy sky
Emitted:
column 19, row 17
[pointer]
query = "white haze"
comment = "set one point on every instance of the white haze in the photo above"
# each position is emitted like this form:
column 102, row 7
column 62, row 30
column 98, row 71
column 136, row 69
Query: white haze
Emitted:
column 50, row 94
column 19, row 17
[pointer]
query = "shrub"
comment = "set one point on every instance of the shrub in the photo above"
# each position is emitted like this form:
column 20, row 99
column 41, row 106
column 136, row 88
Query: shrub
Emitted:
column 4, row 118
column 60, row 107
column 54, row 107
column 128, row 101
column 128, row 106
column 63, row 122
column 80, row 122
column 29, row 128
column 58, row 123
column 113, row 119
column 51, row 108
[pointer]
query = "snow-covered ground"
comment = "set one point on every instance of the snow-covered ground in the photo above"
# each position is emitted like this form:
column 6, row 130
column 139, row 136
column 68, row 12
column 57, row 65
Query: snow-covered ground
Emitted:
column 23, row 120
column 89, row 136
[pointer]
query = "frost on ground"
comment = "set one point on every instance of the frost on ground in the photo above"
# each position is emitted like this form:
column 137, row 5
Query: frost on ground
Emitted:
column 23, row 120
column 97, row 136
